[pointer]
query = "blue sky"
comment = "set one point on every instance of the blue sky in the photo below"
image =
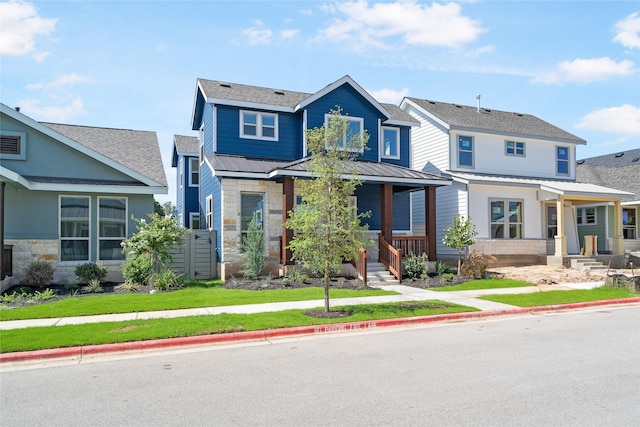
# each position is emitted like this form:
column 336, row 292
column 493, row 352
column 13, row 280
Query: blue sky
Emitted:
column 125, row 64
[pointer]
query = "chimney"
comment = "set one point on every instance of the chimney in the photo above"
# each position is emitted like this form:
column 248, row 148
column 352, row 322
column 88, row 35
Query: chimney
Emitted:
column 478, row 98
column 18, row 109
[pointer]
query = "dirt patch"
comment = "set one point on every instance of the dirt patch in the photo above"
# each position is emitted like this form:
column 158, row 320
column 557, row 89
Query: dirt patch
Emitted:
column 548, row 275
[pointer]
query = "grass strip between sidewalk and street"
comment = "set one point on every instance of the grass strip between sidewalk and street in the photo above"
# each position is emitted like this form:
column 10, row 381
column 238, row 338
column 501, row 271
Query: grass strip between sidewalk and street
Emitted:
column 189, row 297
column 473, row 285
column 40, row 338
column 561, row 296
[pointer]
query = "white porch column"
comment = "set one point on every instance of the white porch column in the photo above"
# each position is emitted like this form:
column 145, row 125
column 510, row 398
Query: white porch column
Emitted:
column 617, row 240
column 561, row 237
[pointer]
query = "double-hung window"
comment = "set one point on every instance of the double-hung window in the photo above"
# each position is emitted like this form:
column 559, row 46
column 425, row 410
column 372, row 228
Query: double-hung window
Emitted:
column 194, row 220
column 562, row 160
column 586, row 216
column 350, row 137
column 465, row 151
column 257, row 125
column 112, row 225
column 506, row 219
column 251, row 206
column 74, row 228
column 514, row 148
column 390, row 143
column 629, row 223
column 194, row 172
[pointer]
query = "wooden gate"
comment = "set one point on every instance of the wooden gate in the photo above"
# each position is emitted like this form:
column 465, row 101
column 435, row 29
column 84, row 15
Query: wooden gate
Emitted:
column 196, row 259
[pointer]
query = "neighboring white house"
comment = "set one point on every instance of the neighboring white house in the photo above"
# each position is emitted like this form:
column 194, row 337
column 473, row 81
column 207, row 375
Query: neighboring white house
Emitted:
column 513, row 174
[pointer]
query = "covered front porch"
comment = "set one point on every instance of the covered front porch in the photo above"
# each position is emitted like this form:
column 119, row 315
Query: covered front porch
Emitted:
column 384, row 181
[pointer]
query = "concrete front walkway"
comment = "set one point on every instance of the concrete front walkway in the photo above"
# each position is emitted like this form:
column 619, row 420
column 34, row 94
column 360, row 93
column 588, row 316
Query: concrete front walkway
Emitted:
column 405, row 293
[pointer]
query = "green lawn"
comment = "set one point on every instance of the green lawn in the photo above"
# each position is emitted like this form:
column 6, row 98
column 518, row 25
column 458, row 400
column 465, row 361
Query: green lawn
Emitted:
column 190, row 297
column 561, row 297
column 116, row 332
column 483, row 284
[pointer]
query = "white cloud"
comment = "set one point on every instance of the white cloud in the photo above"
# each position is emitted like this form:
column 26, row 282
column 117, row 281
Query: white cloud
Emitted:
column 624, row 119
column 389, row 96
column 19, row 25
column 414, row 23
column 258, row 34
column 52, row 114
column 67, row 79
column 628, row 31
column 288, row 34
column 586, row 70
column 476, row 53
column 40, row 56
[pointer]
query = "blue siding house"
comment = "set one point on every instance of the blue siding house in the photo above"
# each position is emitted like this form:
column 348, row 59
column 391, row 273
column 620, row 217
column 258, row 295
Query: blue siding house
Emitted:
column 252, row 145
column 67, row 193
column 185, row 159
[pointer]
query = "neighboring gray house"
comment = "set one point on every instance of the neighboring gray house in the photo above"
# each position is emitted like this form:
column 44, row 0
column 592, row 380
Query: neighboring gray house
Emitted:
column 68, row 192
column 513, row 174
column 621, row 171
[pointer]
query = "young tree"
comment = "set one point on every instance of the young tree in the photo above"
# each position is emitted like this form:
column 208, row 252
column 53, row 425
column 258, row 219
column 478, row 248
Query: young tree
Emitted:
column 326, row 224
column 460, row 236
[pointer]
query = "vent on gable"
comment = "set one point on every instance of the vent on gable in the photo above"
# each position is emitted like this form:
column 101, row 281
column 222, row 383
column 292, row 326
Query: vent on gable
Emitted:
column 619, row 155
column 225, row 85
column 10, row 144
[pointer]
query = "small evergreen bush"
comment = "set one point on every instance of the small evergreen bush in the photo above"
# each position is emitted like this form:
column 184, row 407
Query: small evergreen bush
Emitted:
column 137, row 269
column 253, row 250
column 165, row 279
column 91, row 271
column 39, row 273
column 415, row 266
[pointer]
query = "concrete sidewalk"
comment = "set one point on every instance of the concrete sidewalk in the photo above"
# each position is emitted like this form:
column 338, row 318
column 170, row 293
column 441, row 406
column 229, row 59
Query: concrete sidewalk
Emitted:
column 405, row 293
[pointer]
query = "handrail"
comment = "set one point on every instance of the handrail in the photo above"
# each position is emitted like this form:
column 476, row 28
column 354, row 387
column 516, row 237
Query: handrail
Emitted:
column 390, row 257
column 361, row 264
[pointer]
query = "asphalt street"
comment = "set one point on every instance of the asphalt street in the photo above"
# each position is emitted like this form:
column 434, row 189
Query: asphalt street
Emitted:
column 572, row 368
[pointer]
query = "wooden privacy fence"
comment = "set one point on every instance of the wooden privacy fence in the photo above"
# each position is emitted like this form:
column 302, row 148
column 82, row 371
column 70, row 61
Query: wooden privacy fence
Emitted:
column 197, row 258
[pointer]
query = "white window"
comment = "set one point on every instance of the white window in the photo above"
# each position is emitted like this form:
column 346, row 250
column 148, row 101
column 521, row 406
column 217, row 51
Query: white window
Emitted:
column 586, row 216
column 251, row 206
column 74, row 228
column 562, row 160
column 352, row 134
column 194, row 220
column 390, row 143
column 194, row 172
column 514, row 148
column 209, row 212
column 181, row 169
column 255, row 125
column 201, row 138
column 506, row 219
column 112, row 226
column 465, row 151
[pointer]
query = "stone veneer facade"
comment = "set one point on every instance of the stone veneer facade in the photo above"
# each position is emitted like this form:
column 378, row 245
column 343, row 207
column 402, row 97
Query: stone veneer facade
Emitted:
column 24, row 252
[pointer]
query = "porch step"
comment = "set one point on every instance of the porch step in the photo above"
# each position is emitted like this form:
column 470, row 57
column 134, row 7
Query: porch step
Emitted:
column 376, row 273
column 587, row 264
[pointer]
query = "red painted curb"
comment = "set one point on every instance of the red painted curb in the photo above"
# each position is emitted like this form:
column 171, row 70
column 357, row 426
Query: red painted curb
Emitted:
column 79, row 352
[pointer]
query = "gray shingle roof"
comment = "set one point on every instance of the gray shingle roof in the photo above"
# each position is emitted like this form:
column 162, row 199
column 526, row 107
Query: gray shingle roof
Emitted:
column 467, row 117
column 612, row 170
column 252, row 94
column 134, row 149
column 374, row 171
column 186, row 144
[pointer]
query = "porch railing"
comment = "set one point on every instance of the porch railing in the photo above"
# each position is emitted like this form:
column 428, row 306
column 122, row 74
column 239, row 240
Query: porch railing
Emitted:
column 416, row 245
column 361, row 264
column 390, row 257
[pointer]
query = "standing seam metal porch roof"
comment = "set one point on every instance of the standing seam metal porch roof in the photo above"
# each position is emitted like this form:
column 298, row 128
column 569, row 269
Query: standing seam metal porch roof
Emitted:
column 224, row 165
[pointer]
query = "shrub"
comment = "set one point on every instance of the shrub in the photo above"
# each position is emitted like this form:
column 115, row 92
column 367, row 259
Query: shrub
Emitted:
column 91, row 271
column 441, row 268
column 296, row 275
column 44, row 295
column 39, row 273
column 415, row 266
column 93, row 287
column 448, row 277
column 165, row 279
column 253, row 250
column 137, row 269
column 475, row 266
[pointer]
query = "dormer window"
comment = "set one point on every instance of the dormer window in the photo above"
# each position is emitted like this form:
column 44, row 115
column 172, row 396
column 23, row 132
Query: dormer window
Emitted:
column 390, row 143
column 255, row 125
